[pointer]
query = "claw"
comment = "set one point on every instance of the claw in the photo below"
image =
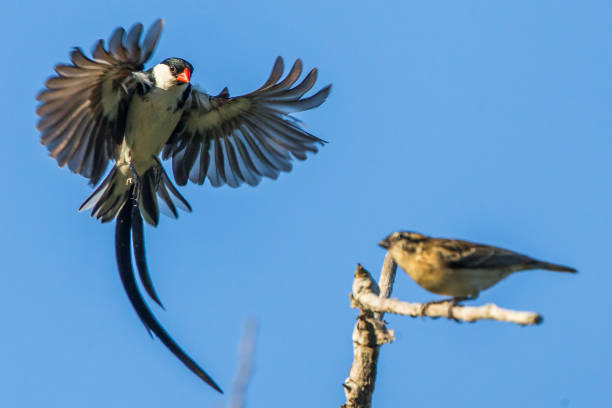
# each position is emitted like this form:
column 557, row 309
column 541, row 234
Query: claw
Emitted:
column 133, row 169
column 135, row 180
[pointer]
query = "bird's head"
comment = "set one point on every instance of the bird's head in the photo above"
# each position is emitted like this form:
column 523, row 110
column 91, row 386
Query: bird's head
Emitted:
column 172, row 72
column 407, row 238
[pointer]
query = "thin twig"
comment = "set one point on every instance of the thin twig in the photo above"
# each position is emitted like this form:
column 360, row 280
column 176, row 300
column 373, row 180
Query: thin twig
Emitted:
column 246, row 350
column 365, row 296
column 386, row 280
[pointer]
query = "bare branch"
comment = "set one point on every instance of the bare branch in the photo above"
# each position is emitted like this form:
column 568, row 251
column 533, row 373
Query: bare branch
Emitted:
column 386, row 280
column 369, row 334
column 365, row 296
column 246, row 349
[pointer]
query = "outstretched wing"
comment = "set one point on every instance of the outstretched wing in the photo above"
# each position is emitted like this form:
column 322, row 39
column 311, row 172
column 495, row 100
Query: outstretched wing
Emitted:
column 240, row 139
column 83, row 110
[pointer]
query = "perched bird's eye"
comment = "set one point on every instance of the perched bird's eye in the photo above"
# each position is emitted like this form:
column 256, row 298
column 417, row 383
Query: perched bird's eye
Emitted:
column 173, row 69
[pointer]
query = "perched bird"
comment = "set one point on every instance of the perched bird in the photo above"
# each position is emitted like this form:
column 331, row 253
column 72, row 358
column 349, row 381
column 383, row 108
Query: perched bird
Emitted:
column 106, row 109
column 460, row 269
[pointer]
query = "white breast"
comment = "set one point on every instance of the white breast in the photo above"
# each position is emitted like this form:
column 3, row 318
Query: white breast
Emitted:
column 150, row 121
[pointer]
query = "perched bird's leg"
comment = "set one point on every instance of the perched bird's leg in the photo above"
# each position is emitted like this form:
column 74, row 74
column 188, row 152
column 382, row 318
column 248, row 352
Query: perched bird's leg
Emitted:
column 456, row 300
column 452, row 302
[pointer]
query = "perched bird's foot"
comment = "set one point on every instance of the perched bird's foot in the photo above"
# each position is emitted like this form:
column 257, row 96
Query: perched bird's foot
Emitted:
column 456, row 301
column 425, row 306
column 451, row 302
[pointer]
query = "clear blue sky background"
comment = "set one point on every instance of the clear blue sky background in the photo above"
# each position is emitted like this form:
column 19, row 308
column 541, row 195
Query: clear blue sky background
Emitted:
column 488, row 121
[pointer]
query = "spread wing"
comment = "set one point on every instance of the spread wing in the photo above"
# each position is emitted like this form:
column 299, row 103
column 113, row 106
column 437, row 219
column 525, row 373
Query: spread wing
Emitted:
column 463, row 254
column 240, row 139
column 83, row 109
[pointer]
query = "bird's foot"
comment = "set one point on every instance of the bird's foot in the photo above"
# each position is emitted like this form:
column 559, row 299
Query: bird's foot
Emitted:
column 452, row 302
column 135, row 179
column 456, row 302
column 425, row 306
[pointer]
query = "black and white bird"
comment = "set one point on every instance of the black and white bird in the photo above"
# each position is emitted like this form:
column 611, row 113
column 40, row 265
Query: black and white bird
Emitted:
column 106, row 109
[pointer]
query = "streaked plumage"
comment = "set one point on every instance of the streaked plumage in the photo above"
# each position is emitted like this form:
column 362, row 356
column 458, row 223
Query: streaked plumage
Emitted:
column 107, row 109
column 456, row 268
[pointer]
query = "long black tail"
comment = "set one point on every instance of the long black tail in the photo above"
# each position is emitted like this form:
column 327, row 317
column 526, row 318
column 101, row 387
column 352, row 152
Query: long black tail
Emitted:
column 140, row 257
column 128, row 216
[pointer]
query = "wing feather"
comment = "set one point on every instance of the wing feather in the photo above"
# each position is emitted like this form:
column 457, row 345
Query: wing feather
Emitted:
column 292, row 76
column 204, row 160
column 83, row 107
column 243, row 138
column 275, row 75
column 101, row 55
column 219, row 156
column 247, row 162
column 266, row 167
column 232, row 159
column 132, row 40
column 476, row 256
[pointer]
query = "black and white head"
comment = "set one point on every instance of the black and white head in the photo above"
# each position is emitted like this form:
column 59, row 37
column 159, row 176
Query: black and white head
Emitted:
column 172, row 72
column 408, row 239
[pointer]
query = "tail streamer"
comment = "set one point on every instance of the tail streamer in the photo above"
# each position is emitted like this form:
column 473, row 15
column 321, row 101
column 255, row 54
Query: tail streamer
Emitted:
column 140, row 257
column 129, row 217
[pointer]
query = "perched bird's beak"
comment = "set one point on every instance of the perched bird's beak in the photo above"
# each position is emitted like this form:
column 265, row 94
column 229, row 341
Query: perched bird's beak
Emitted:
column 184, row 76
column 385, row 243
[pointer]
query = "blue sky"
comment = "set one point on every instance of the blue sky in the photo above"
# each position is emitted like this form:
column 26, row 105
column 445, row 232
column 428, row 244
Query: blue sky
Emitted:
column 488, row 121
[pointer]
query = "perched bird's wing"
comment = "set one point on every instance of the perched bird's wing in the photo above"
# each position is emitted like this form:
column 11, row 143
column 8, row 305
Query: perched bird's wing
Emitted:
column 468, row 255
column 83, row 110
column 240, row 139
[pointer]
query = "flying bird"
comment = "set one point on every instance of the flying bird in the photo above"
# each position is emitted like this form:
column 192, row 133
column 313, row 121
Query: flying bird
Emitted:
column 108, row 110
column 460, row 269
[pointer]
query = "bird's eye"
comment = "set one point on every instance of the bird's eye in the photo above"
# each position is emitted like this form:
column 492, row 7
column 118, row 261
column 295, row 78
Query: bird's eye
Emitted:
column 173, row 69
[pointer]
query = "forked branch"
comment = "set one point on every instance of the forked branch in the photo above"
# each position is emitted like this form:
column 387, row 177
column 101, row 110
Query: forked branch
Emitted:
column 371, row 332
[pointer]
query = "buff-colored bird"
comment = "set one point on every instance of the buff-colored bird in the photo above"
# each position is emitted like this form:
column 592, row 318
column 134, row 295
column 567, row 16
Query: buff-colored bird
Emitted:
column 460, row 269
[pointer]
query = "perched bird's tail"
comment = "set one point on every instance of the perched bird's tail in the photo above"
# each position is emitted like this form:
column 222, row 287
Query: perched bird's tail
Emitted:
column 551, row 267
column 152, row 189
column 129, row 228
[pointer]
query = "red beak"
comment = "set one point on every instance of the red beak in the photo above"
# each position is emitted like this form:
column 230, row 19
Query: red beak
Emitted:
column 184, row 76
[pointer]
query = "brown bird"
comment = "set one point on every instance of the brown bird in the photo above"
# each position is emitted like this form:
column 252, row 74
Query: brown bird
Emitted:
column 460, row 269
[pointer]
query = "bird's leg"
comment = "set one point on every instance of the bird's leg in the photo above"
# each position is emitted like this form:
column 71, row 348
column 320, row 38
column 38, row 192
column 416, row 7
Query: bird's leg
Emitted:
column 136, row 177
column 424, row 306
column 452, row 302
column 134, row 180
column 456, row 300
